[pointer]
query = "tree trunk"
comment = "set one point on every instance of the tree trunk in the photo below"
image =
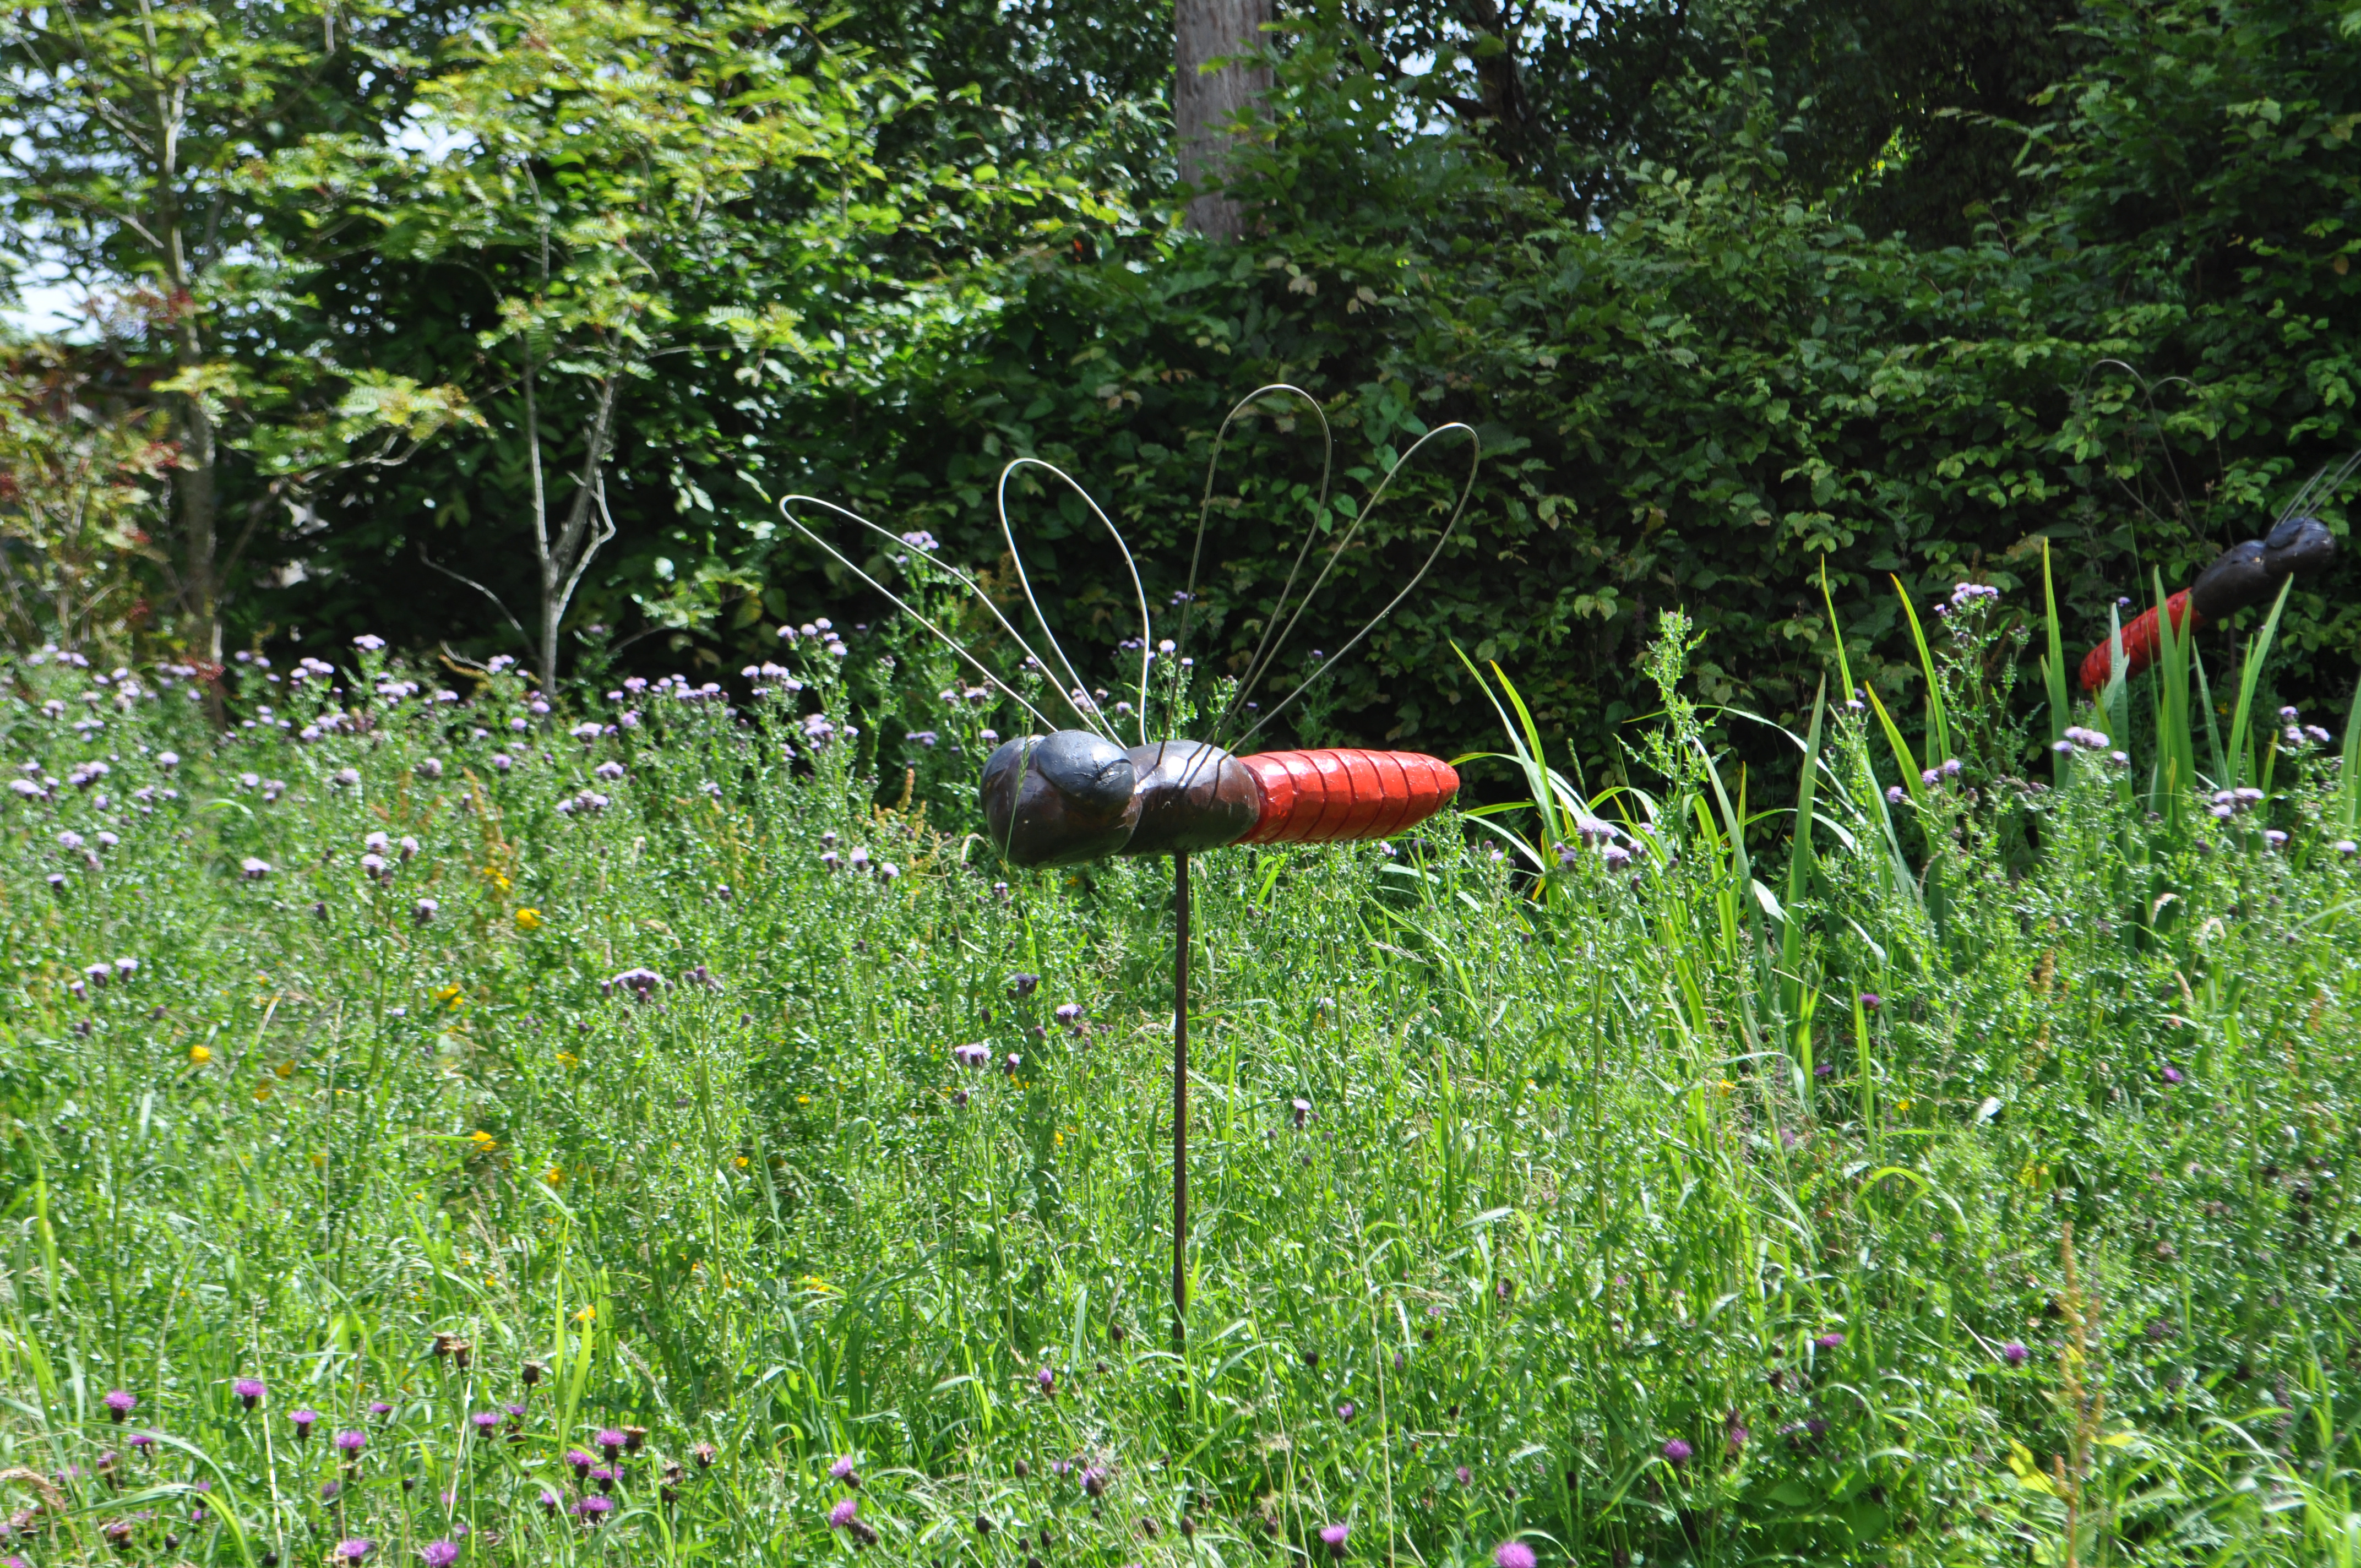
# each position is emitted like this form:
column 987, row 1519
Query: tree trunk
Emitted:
column 1205, row 103
column 200, row 509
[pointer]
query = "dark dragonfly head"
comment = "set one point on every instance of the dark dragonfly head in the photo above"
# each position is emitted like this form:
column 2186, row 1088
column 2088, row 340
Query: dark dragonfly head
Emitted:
column 2252, row 571
column 1073, row 796
column 1060, row 799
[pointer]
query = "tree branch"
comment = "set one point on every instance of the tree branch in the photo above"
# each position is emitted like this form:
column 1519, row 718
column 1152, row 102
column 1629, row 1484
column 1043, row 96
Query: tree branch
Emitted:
column 497, row 602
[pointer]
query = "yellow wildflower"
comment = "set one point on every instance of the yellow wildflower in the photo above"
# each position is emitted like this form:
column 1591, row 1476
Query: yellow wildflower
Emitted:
column 554, row 1176
column 528, row 919
column 285, row 1070
column 485, row 1143
column 450, row 997
column 261, row 1093
column 199, row 1055
column 741, row 1162
column 567, row 1058
column 587, row 1314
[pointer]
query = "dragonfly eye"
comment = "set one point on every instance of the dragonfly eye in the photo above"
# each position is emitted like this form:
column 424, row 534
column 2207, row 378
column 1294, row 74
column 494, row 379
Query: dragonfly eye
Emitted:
column 1061, row 799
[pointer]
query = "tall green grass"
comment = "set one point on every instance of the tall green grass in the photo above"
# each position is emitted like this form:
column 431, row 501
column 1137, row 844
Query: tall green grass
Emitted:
column 1964, row 1178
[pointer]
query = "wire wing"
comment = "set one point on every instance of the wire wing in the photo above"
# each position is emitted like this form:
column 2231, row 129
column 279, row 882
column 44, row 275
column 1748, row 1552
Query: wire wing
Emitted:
column 2319, row 488
column 1080, row 699
column 1085, row 709
column 1283, row 621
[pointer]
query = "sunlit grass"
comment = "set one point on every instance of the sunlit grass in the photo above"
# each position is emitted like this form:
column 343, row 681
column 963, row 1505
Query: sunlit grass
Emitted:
column 1694, row 1203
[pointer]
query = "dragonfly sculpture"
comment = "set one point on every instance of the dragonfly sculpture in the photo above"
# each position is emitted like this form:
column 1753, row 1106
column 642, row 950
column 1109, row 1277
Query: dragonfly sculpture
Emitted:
column 2247, row 573
column 1067, row 796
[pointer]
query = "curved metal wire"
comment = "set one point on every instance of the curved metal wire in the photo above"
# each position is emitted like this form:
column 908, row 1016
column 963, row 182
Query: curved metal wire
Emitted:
column 1278, row 627
column 2319, row 485
column 1343, row 541
column 1206, row 507
column 1000, row 502
column 944, row 637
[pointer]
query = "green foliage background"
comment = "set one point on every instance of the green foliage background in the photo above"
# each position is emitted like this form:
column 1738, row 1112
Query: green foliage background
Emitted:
column 1733, row 296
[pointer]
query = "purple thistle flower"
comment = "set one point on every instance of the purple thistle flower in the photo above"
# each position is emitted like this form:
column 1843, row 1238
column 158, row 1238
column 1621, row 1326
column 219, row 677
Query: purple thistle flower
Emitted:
column 486, row 1422
column 119, row 1403
column 594, row 1508
column 355, row 1549
column 2172, row 1075
column 438, row 1553
column 2014, row 1353
column 1829, row 1341
column 1871, row 1002
column 1676, row 1453
column 303, row 1420
column 1463, row 1476
column 1047, row 1379
column 351, row 1442
column 549, row 1501
column 1068, row 1012
column 1344, row 1412
column 847, row 1509
column 250, row 1391
column 611, row 1441
column 379, row 1409
column 1512, row 1554
column 1094, row 1481
column 1332, row 1537
column 580, row 1461
column 143, row 1440
column 844, row 1470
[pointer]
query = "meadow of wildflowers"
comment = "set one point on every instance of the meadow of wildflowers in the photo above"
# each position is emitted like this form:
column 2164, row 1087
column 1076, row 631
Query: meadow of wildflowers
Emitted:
column 447, row 1126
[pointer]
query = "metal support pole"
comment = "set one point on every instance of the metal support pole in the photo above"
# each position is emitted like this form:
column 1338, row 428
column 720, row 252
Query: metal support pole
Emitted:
column 1179, row 1098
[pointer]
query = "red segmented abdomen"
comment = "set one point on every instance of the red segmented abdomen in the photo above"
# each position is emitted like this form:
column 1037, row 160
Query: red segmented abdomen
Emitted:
column 1337, row 794
column 2142, row 642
